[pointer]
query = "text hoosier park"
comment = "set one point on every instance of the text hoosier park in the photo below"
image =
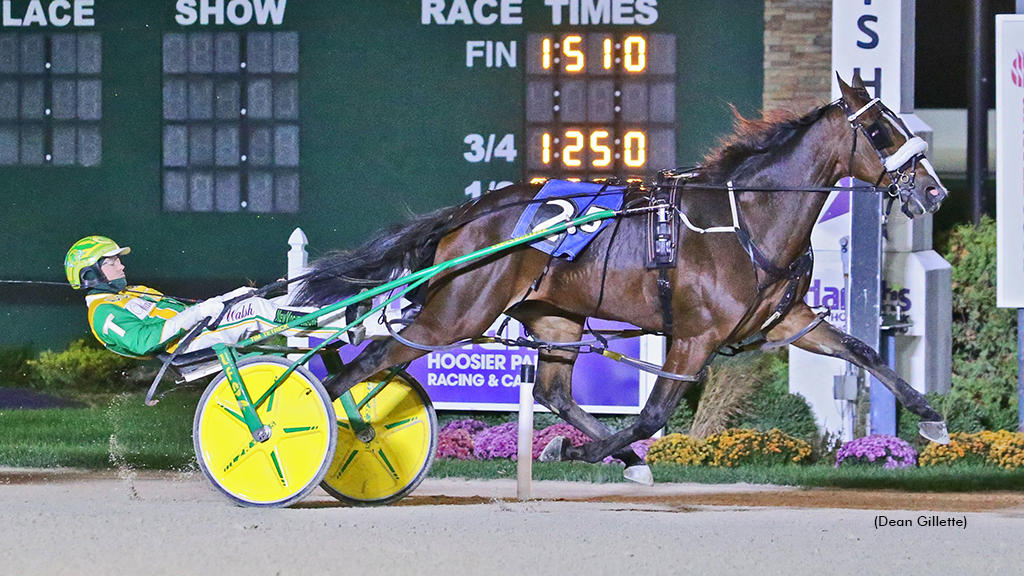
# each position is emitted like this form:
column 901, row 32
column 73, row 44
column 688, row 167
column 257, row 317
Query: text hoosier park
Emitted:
column 933, row 521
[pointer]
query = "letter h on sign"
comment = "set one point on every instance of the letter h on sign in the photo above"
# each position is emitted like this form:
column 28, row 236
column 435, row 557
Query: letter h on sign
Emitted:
column 875, row 82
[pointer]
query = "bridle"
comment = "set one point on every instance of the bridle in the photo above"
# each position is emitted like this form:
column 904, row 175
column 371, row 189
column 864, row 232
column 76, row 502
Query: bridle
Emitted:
column 901, row 165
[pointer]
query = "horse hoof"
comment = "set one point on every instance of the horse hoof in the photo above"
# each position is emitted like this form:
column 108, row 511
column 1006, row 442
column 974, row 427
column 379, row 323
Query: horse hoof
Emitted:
column 934, row 431
column 640, row 473
column 553, row 451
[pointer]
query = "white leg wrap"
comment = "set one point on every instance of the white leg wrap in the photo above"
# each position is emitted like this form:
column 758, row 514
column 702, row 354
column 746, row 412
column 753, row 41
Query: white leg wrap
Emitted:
column 553, row 451
column 640, row 473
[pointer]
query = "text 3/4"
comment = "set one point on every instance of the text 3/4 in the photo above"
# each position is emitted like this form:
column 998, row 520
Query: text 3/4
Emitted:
column 482, row 149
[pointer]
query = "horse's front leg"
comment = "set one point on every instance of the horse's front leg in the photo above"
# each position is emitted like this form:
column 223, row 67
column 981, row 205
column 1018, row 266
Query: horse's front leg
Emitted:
column 687, row 356
column 827, row 340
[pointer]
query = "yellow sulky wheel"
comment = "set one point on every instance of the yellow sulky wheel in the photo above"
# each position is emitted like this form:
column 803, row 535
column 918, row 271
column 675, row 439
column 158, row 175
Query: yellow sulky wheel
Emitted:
column 384, row 464
column 292, row 462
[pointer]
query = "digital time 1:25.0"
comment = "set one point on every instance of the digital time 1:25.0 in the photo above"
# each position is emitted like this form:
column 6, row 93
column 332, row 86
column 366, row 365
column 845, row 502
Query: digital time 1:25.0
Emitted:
column 594, row 148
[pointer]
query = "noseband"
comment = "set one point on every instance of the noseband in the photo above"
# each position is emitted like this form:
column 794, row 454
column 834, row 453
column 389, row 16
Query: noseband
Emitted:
column 901, row 165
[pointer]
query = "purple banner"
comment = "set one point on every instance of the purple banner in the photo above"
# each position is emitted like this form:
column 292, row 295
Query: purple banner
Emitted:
column 487, row 377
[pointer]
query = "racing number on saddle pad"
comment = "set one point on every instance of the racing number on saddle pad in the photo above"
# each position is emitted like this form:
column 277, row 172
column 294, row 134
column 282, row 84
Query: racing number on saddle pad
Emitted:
column 566, row 201
column 567, row 211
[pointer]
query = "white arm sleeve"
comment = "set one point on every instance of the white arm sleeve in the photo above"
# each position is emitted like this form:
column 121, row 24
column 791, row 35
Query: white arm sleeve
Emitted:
column 189, row 317
column 243, row 291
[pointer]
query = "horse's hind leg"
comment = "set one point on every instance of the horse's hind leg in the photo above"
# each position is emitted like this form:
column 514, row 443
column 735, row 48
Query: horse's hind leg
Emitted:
column 825, row 339
column 553, row 388
column 686, row 356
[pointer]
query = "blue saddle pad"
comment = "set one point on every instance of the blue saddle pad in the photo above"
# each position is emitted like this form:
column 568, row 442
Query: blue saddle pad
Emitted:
column 560, row 201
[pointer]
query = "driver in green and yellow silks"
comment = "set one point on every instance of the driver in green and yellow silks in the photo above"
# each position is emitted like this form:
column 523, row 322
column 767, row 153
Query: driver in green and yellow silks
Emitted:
column 140, row 321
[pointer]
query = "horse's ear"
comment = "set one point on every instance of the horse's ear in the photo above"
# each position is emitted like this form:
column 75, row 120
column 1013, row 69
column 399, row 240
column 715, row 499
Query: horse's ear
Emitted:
column 849, row 94
column 857, row 82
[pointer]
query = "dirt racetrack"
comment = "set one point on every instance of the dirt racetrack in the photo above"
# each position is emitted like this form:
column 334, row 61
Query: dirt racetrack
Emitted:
column 68, row 522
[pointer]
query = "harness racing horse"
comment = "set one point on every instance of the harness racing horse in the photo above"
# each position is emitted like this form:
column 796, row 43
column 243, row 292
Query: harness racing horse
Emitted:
column 770, row 179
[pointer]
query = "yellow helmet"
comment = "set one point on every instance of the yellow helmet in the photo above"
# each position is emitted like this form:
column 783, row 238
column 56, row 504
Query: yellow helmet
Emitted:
column 82, row 262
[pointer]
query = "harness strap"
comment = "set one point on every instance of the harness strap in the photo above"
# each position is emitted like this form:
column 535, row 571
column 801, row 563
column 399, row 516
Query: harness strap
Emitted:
column 853, row 117
column 818, row 319
column 665, row 295
column 653, row 369
column 800, row 268
column 539, row 345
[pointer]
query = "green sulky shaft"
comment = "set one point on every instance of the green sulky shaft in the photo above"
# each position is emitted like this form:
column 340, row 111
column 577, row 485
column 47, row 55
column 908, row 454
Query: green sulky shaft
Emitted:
column 434, row 270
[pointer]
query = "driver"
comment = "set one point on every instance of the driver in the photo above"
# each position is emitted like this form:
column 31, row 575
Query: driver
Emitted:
column 139, row 321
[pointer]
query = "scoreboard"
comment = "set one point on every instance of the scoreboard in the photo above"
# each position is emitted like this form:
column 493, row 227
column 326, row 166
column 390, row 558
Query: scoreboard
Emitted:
column 600, row 105
column 202, row 132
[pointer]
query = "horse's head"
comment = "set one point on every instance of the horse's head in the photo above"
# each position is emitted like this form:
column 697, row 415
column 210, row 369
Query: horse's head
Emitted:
column 896, row 156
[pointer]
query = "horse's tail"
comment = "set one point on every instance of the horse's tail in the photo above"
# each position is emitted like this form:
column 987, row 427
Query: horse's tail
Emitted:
column 409, row 246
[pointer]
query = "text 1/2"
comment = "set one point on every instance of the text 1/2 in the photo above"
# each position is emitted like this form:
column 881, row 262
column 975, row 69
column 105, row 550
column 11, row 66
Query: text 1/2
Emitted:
column 482, row 149
column 476, row 188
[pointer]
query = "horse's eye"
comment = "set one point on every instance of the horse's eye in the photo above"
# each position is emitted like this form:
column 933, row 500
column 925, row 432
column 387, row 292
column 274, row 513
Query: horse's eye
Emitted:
column 879, row 136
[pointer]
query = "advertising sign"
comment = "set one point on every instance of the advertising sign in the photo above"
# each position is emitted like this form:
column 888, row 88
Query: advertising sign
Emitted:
column 487, row 376
column 1010, row 151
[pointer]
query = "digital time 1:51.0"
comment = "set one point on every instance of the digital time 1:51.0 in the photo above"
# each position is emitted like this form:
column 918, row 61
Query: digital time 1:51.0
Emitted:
column 569, row 54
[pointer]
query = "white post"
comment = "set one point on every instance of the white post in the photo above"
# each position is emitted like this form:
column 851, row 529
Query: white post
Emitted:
column 298, row 260
column 524, row 458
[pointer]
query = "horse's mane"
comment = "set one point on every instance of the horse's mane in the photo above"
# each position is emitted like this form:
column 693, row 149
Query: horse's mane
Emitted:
column 753, row 137
column 408, row 245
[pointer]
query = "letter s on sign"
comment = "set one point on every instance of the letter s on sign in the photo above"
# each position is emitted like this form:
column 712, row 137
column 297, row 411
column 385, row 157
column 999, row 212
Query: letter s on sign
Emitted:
column 186, row 12
column 862, row 24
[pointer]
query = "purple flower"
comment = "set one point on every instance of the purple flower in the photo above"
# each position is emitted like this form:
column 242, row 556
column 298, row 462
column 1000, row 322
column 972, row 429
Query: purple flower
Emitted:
column 890, row 451
column 497, row 442
column 455, row 443
column 474, row 427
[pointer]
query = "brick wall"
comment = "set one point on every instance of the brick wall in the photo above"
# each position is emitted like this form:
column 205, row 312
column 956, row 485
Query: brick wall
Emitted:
column 797, row 54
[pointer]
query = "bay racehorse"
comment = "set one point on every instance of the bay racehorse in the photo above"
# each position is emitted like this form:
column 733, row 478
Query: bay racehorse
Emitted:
column 769, row 181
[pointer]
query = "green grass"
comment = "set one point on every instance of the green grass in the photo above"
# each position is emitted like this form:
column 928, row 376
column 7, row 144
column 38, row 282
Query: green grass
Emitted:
column 963, row 478
column 158, row 437
column 492, row 469
column 161, row 438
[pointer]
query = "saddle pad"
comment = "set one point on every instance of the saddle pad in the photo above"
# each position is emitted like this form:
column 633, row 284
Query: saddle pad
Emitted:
column 561, row 201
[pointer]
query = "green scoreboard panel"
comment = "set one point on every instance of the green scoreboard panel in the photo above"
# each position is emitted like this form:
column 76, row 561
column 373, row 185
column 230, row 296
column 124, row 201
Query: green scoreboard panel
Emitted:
column 203, row 132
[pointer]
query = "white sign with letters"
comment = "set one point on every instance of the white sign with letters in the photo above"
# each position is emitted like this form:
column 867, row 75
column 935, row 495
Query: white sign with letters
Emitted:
column 1009, row 165
column 867, row 36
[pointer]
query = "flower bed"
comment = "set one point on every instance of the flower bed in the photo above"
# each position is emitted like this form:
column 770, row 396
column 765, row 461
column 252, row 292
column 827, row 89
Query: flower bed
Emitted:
column 733, row 447
column 962, row 449
column 736, row 447
column 888, row 451
column 470, row 439
column 498, row 442
column 456, row 443
column 473, row 427
column 678, row 449
column 1007, row 449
